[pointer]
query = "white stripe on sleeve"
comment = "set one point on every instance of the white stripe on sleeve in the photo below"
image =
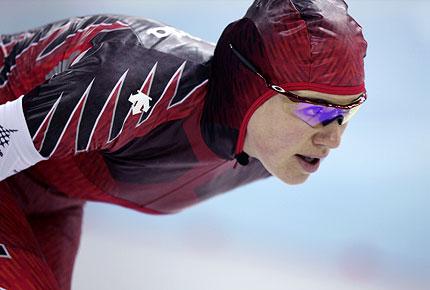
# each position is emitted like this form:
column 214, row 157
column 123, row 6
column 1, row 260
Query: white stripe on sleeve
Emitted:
column 17, row 151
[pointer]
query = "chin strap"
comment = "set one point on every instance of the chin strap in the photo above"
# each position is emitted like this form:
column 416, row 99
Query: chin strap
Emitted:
column 242, row 158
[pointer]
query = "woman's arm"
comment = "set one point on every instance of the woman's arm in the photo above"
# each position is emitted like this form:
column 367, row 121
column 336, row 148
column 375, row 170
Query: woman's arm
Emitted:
column 17, row 151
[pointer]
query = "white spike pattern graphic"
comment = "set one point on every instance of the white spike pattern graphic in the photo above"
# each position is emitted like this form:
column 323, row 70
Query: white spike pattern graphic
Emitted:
column 179, row 71
column 169, row 91
column 49, row 115
column 82, row 99
column 120, row 83
column 80, row 56
column 80, row 119
column 62, row 29
column 85, row 30
column 150, row 79
column 4, row 253
column 189, row 94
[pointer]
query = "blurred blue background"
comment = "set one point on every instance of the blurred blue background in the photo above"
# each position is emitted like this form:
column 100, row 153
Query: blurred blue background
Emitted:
column 361, row 222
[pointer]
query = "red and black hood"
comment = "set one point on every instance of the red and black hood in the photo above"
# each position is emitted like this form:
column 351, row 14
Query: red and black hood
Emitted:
column 297, row 44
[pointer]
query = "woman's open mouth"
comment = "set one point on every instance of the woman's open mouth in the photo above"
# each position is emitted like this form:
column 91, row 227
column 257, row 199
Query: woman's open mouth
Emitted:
column 309, row 164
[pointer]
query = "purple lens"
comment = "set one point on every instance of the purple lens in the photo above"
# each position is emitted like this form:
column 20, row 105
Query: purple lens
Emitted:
column 315, row 115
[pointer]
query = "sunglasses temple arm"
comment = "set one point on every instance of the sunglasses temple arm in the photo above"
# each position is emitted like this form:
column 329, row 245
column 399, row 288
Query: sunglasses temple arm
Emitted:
column 247, row 63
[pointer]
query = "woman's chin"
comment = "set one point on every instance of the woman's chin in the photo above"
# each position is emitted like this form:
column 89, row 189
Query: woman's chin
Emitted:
column 294, row 180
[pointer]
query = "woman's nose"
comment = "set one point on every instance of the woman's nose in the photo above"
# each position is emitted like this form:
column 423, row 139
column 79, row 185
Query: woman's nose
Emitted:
column 329, row 136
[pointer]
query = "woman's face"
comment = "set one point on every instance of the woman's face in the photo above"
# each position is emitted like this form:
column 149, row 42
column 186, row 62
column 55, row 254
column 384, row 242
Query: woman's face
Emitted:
column 280, row 140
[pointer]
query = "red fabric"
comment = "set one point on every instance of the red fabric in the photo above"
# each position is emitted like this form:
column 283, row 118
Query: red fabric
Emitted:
column 42, row 246
column 297, row 44
column 315, row 47
column 159, row 161
column 21, row 81
column 27, row 268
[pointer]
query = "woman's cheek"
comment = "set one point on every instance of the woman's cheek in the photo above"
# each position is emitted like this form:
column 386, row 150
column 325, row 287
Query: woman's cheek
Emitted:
column 271, row 144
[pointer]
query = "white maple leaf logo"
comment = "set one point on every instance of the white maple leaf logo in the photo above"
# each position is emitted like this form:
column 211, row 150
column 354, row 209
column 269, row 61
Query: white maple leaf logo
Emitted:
column 140, row 102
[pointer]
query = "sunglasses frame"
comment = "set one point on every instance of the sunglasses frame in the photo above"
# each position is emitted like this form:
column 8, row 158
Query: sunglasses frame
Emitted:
column 291, row 96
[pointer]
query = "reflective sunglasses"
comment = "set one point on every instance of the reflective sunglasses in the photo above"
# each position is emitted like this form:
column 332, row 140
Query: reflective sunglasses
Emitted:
column 314, row 112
